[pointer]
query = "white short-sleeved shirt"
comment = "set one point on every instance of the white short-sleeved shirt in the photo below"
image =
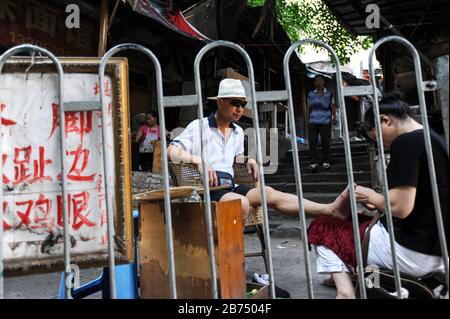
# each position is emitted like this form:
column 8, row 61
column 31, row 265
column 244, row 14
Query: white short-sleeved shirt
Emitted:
column 219, row 153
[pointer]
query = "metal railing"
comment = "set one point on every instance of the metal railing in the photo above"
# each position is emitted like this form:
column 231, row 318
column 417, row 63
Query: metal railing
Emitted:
column 259, row 158
column 265, row 96
column 4, row 57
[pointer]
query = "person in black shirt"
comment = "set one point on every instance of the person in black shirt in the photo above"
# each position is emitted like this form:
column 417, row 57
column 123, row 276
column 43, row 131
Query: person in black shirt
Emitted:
column 408, row 177
column 415, row 229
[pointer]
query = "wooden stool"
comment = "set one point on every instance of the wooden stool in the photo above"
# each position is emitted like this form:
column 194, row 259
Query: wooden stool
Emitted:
column 192, row 267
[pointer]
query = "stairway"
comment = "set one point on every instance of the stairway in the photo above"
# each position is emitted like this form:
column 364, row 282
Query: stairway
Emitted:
column 323, row 186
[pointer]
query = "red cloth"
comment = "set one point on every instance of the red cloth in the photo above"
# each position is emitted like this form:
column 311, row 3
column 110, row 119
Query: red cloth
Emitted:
column 337, row 235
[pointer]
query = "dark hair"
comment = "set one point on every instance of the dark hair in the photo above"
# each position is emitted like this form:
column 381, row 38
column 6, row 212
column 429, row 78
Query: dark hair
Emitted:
column 391, row 104
column 319, row 76
column 152, row 113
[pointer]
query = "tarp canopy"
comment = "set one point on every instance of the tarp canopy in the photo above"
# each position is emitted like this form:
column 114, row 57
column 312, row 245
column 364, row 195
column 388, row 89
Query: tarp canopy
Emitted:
column 160, row 11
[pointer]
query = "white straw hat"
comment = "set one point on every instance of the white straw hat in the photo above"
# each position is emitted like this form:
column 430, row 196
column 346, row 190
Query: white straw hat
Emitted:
column 229, row 88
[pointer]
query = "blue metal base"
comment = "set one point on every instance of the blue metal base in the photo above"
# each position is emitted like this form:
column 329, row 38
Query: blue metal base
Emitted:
column 126, row 278
column 126, row 284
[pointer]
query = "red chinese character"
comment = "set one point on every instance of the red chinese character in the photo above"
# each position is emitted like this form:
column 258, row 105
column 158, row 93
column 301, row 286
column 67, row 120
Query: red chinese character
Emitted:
column 99, row 116
column 103, row 218
column 25, row 216
column 79, row 123
column 80, row 205
column 55, row 121
column 99, row 183
column 59, row 209
column 22, row 161
column 102, row 206
column 79, row 165
column 39, row 167
column 76, row 122
column 104, row 240
column 43, row 207
column 77, row 206
column 106, row 88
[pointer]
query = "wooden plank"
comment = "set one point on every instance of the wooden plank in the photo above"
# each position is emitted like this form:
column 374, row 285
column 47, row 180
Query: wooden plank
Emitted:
column 157, row 158
column 191, row 250
column 230, row 250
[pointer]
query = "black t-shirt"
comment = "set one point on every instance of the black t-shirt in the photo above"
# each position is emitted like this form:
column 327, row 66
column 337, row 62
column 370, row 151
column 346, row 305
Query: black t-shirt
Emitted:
column 409, row 167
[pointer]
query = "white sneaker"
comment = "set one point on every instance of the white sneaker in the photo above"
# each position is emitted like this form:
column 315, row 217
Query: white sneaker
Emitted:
column 326, row 165
column 264, row 279
column 313, row 166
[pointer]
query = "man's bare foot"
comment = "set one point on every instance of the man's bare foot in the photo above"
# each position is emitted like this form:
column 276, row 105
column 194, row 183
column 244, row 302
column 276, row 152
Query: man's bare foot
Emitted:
column 341, row 207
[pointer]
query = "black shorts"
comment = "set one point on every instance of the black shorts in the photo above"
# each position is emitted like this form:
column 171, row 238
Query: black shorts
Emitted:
column 216, row 195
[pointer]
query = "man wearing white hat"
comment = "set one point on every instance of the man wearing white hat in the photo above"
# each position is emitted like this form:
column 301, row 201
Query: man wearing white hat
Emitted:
column 223, row 142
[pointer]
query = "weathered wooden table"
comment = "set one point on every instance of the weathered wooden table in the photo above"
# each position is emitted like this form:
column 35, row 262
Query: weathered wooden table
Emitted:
column 191, row 250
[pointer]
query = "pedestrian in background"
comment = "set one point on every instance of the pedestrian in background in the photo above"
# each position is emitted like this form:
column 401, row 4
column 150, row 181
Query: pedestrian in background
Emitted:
column 321, row 115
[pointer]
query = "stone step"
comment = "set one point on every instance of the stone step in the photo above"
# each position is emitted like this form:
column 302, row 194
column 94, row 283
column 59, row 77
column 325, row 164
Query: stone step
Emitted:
column 313, row 177
column 338, row 146
column 317, row 187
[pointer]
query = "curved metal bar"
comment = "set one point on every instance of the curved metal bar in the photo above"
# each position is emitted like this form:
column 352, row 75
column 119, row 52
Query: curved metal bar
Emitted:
column 67, row 269
column 348, row 158
column 428, row 148
column 167, row 207
column 259, row 160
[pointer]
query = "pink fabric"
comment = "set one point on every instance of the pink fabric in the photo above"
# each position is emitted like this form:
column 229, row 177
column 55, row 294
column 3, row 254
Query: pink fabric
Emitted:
column 145, row 129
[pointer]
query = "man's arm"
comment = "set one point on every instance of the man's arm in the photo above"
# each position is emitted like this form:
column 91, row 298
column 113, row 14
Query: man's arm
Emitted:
column 252, row 166
column 402, row 199
column 178, row 155
column 333, row 108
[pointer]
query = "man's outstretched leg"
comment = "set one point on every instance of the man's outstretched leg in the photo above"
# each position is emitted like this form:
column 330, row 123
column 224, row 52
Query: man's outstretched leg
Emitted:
column 288, row 203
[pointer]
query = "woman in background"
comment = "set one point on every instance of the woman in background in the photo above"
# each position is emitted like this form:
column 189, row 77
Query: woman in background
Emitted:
column 147, row 135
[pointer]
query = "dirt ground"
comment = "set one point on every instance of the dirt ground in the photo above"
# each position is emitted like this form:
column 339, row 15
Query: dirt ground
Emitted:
column 288, row 264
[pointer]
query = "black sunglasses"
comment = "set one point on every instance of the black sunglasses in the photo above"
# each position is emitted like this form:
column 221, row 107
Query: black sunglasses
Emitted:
column 237, row 103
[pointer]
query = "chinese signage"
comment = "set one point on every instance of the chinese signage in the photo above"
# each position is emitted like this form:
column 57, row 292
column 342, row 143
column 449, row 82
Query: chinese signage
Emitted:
column 43, row 24
column 33, row 206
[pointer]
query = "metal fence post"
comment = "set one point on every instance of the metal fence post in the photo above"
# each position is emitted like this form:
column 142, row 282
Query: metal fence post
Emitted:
column 9, row 53
column 167, row 207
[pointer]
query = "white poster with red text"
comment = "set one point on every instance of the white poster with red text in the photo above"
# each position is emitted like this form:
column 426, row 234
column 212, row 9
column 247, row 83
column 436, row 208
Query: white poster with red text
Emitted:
column 30, row 145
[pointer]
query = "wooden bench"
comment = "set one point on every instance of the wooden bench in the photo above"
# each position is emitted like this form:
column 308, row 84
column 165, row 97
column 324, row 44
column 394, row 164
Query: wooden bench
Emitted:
column 185, row 174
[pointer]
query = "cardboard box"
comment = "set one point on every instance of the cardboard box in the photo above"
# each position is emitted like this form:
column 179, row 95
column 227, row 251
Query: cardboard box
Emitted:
column 262, row 291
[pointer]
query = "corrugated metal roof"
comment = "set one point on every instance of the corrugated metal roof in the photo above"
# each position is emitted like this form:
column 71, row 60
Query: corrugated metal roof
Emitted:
column 351, row 13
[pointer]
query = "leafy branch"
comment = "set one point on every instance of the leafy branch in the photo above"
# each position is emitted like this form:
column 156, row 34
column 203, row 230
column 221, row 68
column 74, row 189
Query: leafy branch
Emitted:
column 313, row 19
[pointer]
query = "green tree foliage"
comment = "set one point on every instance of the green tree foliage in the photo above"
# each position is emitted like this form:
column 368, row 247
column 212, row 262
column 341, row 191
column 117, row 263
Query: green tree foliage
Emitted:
column 313, row 19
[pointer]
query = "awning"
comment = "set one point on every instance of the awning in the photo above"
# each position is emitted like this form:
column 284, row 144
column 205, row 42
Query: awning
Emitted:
column 159, row 10
column 413, row 13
